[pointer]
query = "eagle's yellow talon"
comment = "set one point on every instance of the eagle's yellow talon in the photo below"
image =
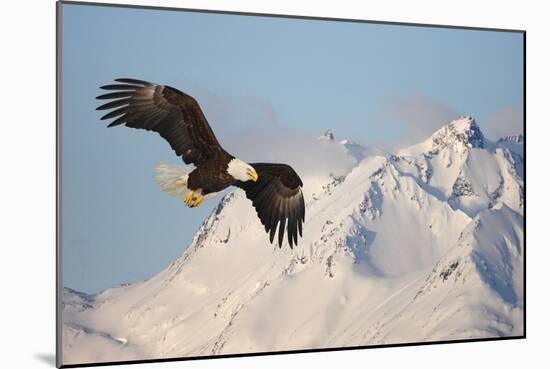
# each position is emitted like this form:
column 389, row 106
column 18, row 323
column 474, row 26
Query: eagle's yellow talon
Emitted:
column 198, row 200
column 189, row 198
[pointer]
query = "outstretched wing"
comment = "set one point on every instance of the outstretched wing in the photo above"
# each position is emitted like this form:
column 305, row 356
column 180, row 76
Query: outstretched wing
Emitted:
column 277, row 197
column 176, row 116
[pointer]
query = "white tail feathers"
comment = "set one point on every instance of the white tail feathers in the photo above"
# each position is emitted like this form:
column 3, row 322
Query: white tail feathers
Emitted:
column 173, row 179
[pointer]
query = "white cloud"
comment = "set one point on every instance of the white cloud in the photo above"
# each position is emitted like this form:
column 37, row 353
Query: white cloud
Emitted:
column 306, row 154
column 228, row 113
column 415, row 116
column 505, row 122
column 249, row 127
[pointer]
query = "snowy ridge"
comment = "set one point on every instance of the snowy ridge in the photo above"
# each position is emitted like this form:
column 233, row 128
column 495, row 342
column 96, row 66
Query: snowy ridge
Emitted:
column 513, row 143
column 327, row 136
column 420, row 246
column 514, row 138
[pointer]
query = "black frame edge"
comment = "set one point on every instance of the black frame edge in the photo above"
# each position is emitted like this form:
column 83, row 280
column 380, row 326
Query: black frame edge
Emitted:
column 287, row 352
column 58, row 249
column 291, row 16
column 525, row 184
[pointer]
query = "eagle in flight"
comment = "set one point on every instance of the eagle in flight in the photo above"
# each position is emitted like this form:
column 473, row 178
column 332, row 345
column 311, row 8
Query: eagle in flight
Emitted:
column 274, row 189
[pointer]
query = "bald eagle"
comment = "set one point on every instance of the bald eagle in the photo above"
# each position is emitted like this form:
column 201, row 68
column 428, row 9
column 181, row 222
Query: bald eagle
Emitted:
column 274, row 189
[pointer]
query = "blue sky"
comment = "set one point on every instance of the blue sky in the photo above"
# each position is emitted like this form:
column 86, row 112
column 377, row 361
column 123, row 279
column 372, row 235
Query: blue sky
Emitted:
column 381, row 85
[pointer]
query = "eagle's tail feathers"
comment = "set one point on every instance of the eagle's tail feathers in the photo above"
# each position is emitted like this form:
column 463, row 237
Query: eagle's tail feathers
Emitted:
column 173, row 179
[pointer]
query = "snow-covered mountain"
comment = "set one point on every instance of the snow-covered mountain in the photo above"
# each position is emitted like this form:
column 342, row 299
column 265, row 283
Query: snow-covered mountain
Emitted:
column 423, row 245
column 326, row 136
column 514, row 143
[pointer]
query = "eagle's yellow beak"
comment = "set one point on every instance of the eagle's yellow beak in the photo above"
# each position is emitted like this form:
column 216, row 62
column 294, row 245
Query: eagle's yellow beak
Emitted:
column 251, row 173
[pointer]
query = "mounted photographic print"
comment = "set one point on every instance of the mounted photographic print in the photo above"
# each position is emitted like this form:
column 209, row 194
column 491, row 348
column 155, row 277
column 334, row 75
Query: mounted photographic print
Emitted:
column 237, row 184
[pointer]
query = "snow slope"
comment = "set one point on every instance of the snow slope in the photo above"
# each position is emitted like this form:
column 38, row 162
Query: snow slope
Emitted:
column 423, row 245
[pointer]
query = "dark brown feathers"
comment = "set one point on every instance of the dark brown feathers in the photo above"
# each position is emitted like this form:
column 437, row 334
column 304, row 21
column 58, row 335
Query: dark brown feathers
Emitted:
column 278, row 200
column 176, row 116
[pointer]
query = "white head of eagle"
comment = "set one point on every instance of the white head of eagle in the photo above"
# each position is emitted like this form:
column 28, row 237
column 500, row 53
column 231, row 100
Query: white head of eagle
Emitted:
column 241, row 171
column 274, row 189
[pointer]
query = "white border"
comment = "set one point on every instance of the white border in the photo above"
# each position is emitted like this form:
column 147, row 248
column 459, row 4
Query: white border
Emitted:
column 27, row 196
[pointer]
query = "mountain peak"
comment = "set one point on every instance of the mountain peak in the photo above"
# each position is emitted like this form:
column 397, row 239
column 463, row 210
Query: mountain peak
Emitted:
column 327, row 136
column 518, row 139
column 460, row 132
